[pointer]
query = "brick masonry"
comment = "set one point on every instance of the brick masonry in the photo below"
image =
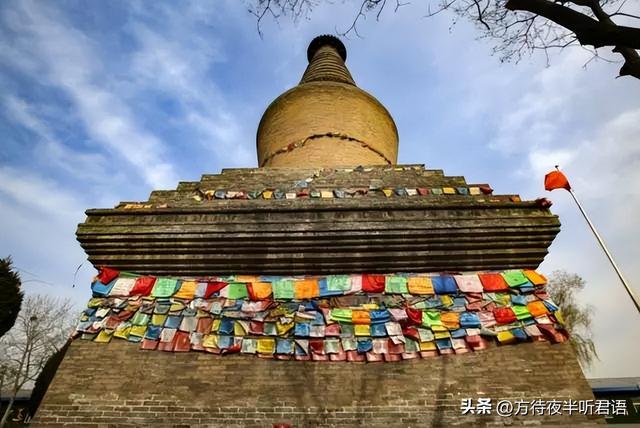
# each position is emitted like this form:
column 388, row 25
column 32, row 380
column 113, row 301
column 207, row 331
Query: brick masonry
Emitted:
column 119, row 385
column 326, row 101
column 181, row 236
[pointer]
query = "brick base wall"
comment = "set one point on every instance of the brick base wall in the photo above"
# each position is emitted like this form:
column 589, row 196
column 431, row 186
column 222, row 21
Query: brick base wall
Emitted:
column 119, row 385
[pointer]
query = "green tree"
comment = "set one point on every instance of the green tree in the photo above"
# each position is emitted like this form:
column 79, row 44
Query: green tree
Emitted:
column 516, row 26
column 563, row 288
column 10, row 295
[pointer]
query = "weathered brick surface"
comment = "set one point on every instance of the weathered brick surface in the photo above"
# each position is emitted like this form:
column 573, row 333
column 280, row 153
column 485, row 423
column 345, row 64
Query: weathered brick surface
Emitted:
column 119, row 385
column 371, row 233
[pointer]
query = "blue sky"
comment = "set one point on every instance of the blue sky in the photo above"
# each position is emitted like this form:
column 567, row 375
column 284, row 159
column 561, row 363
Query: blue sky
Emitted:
column 105, row 102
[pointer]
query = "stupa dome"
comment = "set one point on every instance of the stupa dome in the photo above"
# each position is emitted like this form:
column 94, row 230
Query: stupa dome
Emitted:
column 326, row 120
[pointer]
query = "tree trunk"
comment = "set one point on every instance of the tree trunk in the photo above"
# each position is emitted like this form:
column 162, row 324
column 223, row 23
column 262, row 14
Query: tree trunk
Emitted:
column 7, row 411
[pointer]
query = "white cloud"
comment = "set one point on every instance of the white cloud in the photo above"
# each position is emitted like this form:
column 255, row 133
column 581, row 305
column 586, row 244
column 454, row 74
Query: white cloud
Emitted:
column 36, row 193
column 37, row 230
column 49, row 151
column 542, row 161
column 178, row 63
column 69, row 63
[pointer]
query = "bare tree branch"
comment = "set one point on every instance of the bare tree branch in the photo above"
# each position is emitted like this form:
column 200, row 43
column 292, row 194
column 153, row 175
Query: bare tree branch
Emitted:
column 519, row 27
column 475, row 2
column 587, row 30
column 43, row 325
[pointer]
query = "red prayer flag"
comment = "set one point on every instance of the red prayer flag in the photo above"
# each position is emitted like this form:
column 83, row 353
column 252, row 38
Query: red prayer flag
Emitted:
column 143, row 286
column 107, row 275
column 504, row 315
column 373, row 283
column 415, row 315
column 556, row 180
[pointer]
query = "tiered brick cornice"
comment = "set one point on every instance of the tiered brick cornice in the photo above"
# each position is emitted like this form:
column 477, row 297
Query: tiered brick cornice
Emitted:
column 173, row 233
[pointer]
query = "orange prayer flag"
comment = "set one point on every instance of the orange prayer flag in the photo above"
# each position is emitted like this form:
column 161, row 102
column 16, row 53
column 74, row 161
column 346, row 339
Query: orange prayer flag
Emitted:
column 451, row 320
column 537, row 308
column 535, row 277
column 556, row 180
column 306, row 289
column 360, row 317
column 259, row 290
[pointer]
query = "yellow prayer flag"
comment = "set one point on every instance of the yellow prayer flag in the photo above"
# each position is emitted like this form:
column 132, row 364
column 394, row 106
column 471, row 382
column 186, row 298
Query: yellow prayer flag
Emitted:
column 246, row 278
column 138, row 330
column 448, row 190
column 122, row 333
column 157, row 319
column 283, row 328
column 428, row 346
column 436, row 328
column 238, row 329
column 370, row 306
column 266, row 346
column 104, row 336
column 210, row 341
column 187, row 290
column 362, row 330
column 442, row 335
column 506, row 337
column 420, row 285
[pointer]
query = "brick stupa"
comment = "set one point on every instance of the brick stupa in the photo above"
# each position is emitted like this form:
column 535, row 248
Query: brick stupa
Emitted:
column 328, row 198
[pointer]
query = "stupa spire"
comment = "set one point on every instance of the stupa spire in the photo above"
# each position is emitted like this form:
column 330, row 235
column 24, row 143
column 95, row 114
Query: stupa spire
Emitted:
column 326, row 55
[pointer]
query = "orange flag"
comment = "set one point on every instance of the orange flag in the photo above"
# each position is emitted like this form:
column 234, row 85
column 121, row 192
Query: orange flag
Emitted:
column 556, row 180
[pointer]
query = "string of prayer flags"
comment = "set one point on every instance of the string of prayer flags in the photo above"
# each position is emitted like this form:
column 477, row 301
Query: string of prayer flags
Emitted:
column 358, row 317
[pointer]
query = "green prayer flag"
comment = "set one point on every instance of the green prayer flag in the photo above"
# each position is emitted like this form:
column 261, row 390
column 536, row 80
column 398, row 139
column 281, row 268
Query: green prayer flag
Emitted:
column 249, row 346
column 237, row 290
column 332, row 346
column 346, row 330
column 283, row 289
column 349, row 343
column 128, row 275
column 431, row 318
column 502, row 299
column 521, row 312
column 395, row 284
column 341, row 315
column 270, row 329
column 95, row 302
column 140, row 319
column 338, row 283
column 164, row 287
column 515, row 278
column 426, row 335
column 410, row 345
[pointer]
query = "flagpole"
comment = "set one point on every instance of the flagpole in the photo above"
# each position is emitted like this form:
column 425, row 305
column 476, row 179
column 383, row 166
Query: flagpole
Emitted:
column 606, row 251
